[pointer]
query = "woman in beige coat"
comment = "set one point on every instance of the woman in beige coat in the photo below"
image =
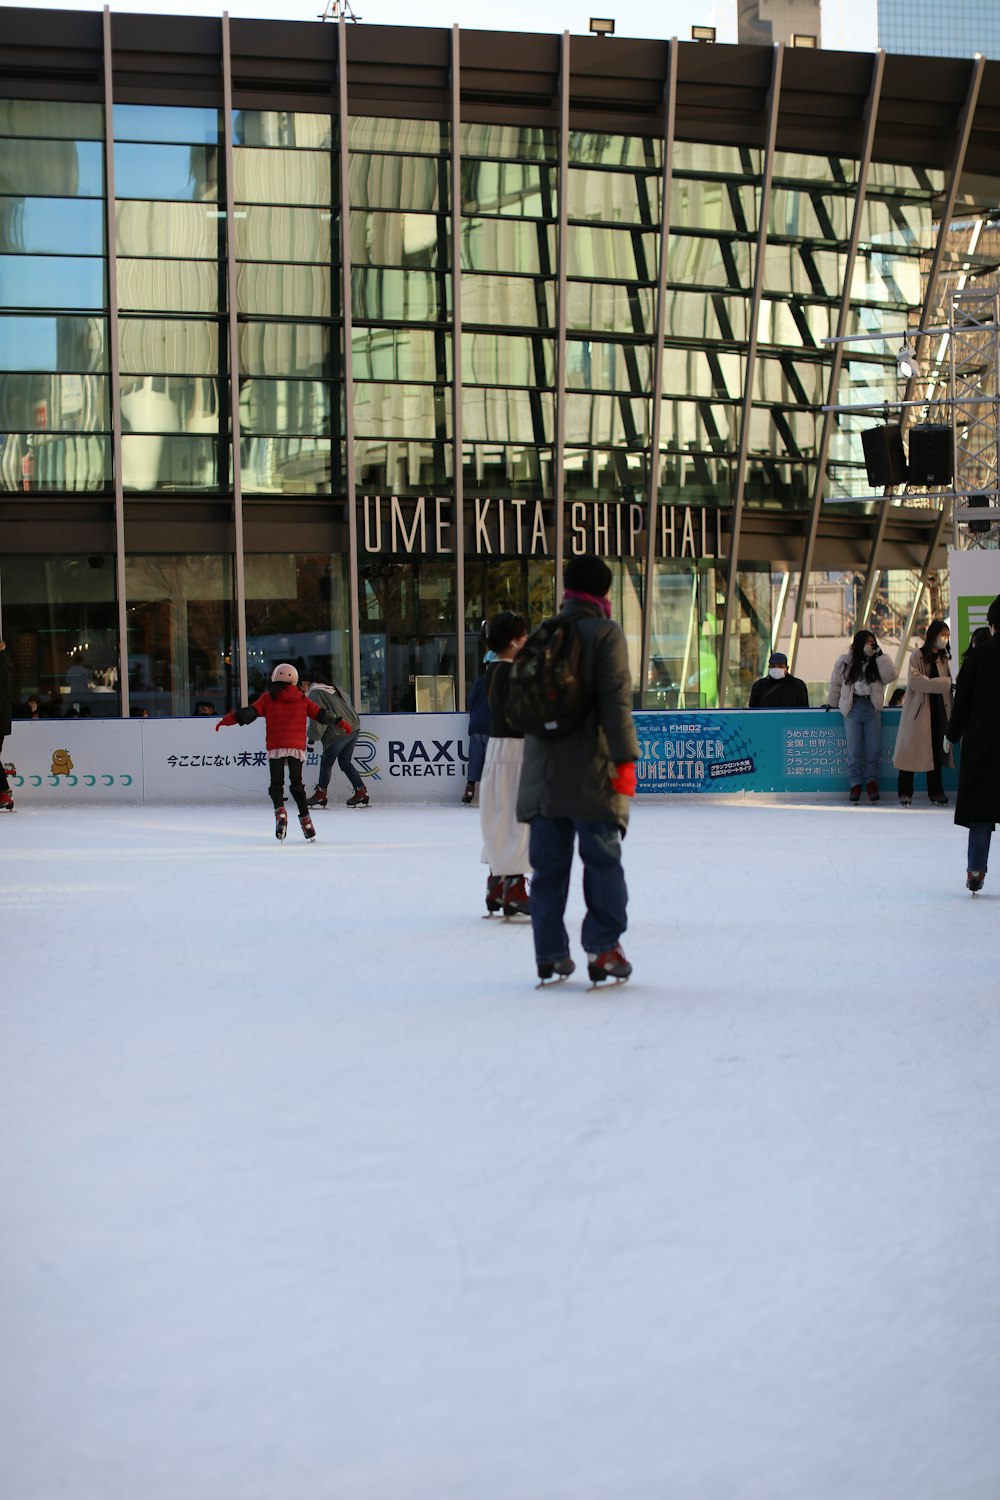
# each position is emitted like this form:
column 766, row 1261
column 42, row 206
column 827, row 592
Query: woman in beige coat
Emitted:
column 924, row 717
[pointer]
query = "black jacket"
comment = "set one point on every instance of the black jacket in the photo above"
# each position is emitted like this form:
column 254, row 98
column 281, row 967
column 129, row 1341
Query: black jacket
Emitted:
column 779, row 692
column 975, row 721
column 497, row 679
column 6, row 693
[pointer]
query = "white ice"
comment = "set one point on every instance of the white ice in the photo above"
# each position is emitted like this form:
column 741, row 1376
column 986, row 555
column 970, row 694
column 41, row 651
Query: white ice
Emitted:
column 308, row 1194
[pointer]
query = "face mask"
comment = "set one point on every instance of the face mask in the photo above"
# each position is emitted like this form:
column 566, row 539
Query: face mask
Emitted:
column 941, row 645
column 776, row 672
column 869, row 650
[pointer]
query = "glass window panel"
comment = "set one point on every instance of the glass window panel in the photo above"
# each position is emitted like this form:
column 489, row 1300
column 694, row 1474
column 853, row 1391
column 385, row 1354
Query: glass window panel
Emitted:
column 192, row 231
column 508, row 245
column 174, row 403
column 505, row 359
column 168, row 286
column 615, row 150
column 521, row 190
column 609, row 309
column 702, row 372
column 371, row 133
column 285, row 234
column 405, row 182
column 50, row 117
column 497, row 415
column 285, row 291
column 403, row 411
column 181, row 633
column 597, row 474
column 532, row 142
column 279, row 127
column 701, row 260
column 401, row 354
column 286, row 465
column 799, row 166
column 791, row 382
column 60, row 344
column 606, row 419
column 695, row 315
column 884, row 278
column 54, row 403
column 894, row 177
column 401, row 296
column 499, row 300
column 62, row 611
column 706, row 426
column 282, row 349
column 393, row 466
column 519, row 470
column 60, row 462
column 60, row 169
column 714, row 205
column 298, row 607
column 613, row 197
column 168, row 346
column 40, row 226
column 809, row 214
column 398, row 239
column 51, row 281
column 155, row 461
column 720, row 161
column 261, row 176
column 162, row 122
column 612, row 254
column 804, row 269
column 798, row 323
column 177, row 173
column 285, row 406
column 593, row 365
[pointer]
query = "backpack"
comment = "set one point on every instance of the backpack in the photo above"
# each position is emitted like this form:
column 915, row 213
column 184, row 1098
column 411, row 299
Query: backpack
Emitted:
column 546, row 695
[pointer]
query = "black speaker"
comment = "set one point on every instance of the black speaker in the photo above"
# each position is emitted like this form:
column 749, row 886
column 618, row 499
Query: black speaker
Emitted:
column 930, row 454
column 975, row 501
column 884, row 456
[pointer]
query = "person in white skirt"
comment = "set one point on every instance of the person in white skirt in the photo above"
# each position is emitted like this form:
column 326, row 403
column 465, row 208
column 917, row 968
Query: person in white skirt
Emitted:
column 505, row 840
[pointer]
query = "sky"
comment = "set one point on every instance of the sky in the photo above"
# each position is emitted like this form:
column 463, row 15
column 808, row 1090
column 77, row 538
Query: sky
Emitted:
column 846, row 23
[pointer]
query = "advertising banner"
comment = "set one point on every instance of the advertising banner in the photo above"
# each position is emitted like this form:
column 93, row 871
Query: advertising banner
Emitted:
column 975, row 583
column 75, row 760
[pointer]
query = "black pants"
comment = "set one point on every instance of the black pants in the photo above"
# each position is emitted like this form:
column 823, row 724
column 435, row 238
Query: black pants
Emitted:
column 277, row 785
column 935, row 787
column 4, row 784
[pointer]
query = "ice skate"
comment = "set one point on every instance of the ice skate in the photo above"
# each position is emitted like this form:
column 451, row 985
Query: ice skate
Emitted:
column 941, row 801
column 872, row 789
column 855, row 795
column 904, row 800
column 359, row 799
column 494, row 895
column 974, row 880
column 469, row 793
column 306, row 824
column 280, row 822
column 611, row 964
column 516, row 902
column 6, row 802
column 554, row 972
column 318, row 798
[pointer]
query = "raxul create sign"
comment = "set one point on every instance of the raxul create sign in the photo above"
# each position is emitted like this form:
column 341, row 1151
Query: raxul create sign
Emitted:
column 426, row 527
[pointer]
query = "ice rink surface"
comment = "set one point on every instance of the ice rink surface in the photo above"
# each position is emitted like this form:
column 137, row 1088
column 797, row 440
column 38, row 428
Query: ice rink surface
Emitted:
column 308, row 1194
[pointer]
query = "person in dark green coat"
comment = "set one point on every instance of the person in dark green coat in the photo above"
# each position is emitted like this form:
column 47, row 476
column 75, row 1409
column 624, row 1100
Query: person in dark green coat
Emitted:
column 575, row 790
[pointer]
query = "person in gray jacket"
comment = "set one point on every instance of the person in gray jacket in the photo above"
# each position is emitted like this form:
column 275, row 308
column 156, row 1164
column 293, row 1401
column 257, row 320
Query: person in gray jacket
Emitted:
column 576, row 789
column 338, row 740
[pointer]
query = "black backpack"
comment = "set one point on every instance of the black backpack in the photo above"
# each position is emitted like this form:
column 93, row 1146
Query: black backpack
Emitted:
column 546, row 695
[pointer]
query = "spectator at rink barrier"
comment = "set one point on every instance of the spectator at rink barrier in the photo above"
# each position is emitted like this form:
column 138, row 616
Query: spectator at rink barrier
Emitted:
column 857, row 688
column 898, row 694
column 505, row 840
column 31, row 708
column 338, row 740
column 479, row 730
column 286, row 711
column 577, row 789
column 975, row 639
column 779, row 689
column 975, row 721
column 920, row 737
column 203, row 708
column 6, row 695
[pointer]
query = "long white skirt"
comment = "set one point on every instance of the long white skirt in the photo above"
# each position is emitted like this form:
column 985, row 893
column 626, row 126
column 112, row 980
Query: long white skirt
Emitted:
column 505, row 840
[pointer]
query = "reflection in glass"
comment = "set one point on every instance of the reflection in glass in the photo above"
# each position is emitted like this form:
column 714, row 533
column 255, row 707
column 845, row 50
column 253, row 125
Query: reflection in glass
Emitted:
column 269, row 232
column 55, row 461
column 533, row 143
column 497, row 415
column 155, row 461
column 286, row 465
column 276, row 177
column 401, row 354
column 51, row 281
column 280, row 127
column 407, row 612
column 595, row 474
column 277, row 349
column 614, row 197
column 511, row 300
column 62, row 613
column 168, row 286
column 51, row 117
column 508, row 245
column 609, row 309
column 298, row 609
column 168, row 346
column 614, row 254
column 403, row 411
column 405, row 182
column 396, row 467
column 684, row 638
column 178, row 230
column 507, row 359
column 62, row 343
column 607, row 419
column 173, row 403
column 411, row 240
column 182, row 174
column 63, row 169
column 600, row 149
column 161, row 122
column 285, row 406
column 54, row 403
column 283, row 291
column 595, row 365
column 181, row 634
column 371, row 133
column 523, row 190
column 49, row 226
column 401, row 296
column 522, row 471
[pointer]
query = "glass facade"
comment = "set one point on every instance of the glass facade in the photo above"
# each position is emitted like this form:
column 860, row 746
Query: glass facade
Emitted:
column 959, row 29
column 359, row 363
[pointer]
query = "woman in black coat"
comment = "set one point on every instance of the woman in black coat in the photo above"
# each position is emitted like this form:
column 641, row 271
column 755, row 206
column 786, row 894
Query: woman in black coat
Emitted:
column 6, row 696
column 975, row 720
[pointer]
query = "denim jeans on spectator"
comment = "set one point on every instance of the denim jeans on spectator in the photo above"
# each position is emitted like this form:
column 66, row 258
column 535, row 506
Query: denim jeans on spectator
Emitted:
column 551, row 854
column 979, row 846
column 862, row 729
column 341, row 751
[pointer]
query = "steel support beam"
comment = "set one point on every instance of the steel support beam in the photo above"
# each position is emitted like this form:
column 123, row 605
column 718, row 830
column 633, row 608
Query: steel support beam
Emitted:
column 918, row 593
column 561, row 316
column 114, row 368
column 456, row 380
column 348, row 362
column 234, row 364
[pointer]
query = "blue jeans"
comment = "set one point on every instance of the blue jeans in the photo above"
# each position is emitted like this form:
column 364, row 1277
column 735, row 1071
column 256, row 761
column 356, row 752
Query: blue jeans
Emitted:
column 862, row 729
column 341, row 750
column 979, row 846
column 551, row 854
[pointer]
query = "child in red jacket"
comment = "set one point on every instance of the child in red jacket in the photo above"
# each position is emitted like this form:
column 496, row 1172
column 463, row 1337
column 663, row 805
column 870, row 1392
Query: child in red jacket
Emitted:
column 285, row 710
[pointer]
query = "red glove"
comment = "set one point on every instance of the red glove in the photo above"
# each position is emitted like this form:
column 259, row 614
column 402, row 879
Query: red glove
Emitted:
column 229, row 718
column 623, row 781
column 346, row 728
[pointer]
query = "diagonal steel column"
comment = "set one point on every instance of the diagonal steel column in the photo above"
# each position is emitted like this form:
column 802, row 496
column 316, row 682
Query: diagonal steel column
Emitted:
column 809, row 547
column 114, row 369
column 234, row 364
column 456, row 367
column 561, row 315
column 736, row 523
column 918, row 593
column 347, row 367
column 653, row 477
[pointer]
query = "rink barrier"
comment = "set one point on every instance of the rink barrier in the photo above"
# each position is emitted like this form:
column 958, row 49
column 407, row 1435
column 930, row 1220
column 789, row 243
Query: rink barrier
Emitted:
column 421, row 758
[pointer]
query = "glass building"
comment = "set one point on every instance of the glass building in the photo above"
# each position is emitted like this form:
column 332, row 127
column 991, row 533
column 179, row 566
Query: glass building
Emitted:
column 322, row 343
column 958, row 29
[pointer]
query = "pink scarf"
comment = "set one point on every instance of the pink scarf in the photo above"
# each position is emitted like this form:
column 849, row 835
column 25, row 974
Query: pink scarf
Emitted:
column 603, row 603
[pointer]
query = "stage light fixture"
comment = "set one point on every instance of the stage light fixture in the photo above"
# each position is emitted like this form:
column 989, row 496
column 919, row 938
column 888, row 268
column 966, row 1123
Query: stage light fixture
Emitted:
column 602, row 25
column 908, row 364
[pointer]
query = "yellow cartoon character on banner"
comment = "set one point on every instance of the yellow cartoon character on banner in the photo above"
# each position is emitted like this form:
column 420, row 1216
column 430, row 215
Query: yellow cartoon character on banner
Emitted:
column 61, row 763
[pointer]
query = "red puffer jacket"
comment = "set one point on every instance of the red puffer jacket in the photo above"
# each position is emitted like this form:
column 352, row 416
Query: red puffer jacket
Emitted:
column 285, row 717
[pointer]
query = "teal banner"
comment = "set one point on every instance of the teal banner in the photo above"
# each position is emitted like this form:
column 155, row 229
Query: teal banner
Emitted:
column 767, row 750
